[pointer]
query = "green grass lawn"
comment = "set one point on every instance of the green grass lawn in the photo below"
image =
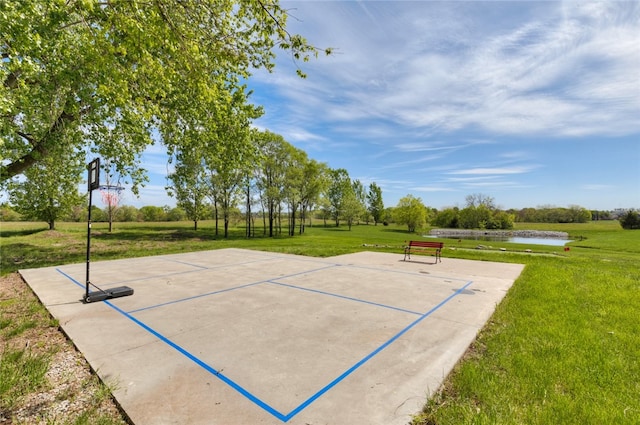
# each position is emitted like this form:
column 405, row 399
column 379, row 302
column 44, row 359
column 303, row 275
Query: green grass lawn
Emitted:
column 562, row 348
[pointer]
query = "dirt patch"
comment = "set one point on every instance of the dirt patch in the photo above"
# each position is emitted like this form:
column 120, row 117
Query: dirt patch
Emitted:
column 71, row 393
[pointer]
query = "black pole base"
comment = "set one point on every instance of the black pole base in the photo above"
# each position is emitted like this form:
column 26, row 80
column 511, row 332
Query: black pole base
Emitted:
column 120, row 291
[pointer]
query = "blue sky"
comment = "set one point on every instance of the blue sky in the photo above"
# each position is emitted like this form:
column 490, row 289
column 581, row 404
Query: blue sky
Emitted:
column 532, row 103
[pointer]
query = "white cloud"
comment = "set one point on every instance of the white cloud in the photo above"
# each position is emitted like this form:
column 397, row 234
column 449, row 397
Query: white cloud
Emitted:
column 435, row 65
column 494, row 170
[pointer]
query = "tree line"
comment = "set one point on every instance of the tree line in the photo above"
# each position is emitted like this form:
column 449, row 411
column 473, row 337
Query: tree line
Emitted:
column 339, row 200
column 261, row 174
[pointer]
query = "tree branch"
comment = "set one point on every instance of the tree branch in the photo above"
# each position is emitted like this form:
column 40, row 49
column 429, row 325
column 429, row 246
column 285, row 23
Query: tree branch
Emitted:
column 40, row 147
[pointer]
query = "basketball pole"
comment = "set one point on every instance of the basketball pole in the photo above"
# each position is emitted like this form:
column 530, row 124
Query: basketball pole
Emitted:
column 93, row 183
column 101, row 295
column 87, row 281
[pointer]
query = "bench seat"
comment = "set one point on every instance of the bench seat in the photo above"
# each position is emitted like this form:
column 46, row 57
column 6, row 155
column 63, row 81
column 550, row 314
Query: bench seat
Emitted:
column 421, row 246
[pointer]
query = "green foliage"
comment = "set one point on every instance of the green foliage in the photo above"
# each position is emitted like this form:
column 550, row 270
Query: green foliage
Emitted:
column 351, row 208
column 480, row 213
column 178, row 214
column 447, row 218
column 573, row 214
column 388, row 215
column 338, row 190
column 475, row 217
column 411, row 212
column 113, row 72
column 7, row 213
column 503, row 220
column 50, row 189
column 152, row 213
column 630, row 220
column 189, row 185
column 127, row 213
column 375, row 205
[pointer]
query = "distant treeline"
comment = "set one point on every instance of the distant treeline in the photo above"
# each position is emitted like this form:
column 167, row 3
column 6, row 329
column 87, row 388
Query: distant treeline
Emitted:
column 484, row 215
column 469, row 217
column 573, row 214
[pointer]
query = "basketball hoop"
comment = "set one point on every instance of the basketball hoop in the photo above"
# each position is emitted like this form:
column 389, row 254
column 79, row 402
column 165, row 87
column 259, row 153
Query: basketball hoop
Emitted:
column 111, row 187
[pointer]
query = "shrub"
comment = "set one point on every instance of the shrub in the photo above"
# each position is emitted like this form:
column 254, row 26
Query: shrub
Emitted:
column 630, row 220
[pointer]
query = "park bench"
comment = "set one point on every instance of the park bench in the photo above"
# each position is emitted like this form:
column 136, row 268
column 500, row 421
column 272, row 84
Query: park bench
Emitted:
column 422, row 246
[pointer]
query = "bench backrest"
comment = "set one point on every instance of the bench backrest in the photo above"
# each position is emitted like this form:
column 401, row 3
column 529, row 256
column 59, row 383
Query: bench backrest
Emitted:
column 426, row 244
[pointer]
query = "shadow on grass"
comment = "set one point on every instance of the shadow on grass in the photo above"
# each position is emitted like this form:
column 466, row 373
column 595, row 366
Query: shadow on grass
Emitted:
column 334, row 229
column 21, row 232
column 165, row 234
column 18, row 256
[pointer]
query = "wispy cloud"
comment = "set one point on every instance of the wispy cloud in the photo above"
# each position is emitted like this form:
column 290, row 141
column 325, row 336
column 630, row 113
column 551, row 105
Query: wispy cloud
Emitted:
column 494, row 170
column 439, row 68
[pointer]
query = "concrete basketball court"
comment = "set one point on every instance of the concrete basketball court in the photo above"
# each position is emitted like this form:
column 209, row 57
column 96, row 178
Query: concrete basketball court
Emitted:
column 236, row 336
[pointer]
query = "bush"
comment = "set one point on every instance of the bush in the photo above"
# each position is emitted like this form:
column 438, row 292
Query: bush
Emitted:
column 630, row 220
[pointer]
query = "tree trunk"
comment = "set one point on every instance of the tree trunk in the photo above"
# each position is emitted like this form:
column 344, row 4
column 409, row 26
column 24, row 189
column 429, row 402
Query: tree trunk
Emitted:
column 215, row 213
column 292, row 225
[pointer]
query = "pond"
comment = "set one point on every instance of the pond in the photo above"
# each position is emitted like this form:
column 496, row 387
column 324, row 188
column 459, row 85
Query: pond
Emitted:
column 510, row 239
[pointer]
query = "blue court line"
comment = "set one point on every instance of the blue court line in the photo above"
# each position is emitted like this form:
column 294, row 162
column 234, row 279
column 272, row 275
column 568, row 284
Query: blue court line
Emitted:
column 202, row 364
column 403, row 272
column 349, row 371
column 199, row 269
column 70, row 278
column 194, row 297
column 206, row 294
column 331, row 294
column 257, row 401
column 191, row 357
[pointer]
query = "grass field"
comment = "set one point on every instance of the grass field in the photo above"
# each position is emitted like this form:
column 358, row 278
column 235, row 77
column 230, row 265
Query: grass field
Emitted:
column 562, row 348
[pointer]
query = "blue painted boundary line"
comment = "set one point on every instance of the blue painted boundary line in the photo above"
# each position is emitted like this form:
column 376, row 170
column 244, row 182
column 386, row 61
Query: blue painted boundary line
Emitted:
column 194, row 297
column 226, row 290
column 331, row 294
column 349, row 371
column 202, row 364
column 257, row 401
column 70, row 278
column 403, row 272
column 191, row 357
column 199, row 269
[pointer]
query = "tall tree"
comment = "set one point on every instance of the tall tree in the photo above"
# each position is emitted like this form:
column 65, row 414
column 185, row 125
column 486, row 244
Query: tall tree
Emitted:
column 293, row 193
column 480, row 199
column 189, row 186
column 351, row 208
column 361, row 197
column 374, row 202
column 412, row 212
column 109, row 71
column 338, row 188
column 271, row 174
column 314, row 182
column 230, row 151
column 49, row 190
